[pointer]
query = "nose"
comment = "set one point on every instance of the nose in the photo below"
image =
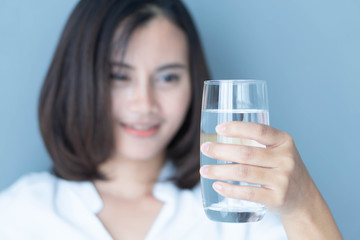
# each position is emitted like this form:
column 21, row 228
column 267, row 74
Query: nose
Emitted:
column 143, row 100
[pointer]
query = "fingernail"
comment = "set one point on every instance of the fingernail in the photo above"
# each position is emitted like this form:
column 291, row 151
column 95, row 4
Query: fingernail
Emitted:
column 205, row 147
column 221, row 128
column 217, row 186
column 204, row 170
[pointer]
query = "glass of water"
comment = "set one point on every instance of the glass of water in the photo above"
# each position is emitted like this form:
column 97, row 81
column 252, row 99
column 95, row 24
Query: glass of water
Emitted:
column 226, row 101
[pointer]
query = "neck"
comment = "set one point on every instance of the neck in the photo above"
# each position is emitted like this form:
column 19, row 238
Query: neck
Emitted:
column 129, row 178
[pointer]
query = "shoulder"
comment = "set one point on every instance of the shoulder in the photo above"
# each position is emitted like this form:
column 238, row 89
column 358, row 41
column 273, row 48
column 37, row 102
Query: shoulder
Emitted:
column 41, row 204
column 44, row 192
column 27, row 188
column 30, row 192
column 24, row 202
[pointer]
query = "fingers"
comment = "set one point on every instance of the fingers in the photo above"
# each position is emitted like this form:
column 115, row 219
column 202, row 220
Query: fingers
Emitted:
column 248, row 193
column 263, row 134
column 273, row 199
column 241, row 173
column 277, row 169
column 239, row 154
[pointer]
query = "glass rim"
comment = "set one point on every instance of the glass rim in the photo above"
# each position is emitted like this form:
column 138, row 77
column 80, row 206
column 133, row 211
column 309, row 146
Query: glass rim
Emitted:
column 219, row 81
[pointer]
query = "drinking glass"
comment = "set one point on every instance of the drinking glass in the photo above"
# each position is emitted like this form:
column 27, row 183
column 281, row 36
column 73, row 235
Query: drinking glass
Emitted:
column 226, row 101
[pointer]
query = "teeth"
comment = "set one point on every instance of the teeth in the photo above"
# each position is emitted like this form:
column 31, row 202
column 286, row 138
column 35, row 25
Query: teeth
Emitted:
column 141, row 127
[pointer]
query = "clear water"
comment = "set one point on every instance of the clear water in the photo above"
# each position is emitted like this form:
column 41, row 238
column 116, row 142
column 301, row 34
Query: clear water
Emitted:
column 217, row 207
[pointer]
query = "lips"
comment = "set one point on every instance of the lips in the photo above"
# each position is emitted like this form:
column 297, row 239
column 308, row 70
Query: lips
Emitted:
column 141, row 130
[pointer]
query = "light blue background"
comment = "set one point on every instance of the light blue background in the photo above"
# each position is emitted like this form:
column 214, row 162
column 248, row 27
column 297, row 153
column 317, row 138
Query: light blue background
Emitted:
column 308, row 51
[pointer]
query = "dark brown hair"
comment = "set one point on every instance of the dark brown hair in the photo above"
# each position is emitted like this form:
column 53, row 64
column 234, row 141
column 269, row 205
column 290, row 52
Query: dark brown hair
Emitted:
column 75, row 106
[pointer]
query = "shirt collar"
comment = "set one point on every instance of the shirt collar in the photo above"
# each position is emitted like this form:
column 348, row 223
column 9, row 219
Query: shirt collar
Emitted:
column 85, row 191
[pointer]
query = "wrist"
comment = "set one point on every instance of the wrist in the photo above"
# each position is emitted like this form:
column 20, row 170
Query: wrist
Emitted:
column 311, row 219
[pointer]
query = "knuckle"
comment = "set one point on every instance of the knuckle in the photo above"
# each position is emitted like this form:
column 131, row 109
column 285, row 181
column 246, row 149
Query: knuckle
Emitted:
column 261, row 130
column 250, row 194
column 280, row 197
column 243, row 171
column 280, row 200
column 289, row 165
column 288, row 138
column 246, row 152
column 286, row 162
column 283, row 182
column 263, row 174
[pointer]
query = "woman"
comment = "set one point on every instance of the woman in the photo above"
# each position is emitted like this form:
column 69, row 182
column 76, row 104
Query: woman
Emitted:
column 119, row 114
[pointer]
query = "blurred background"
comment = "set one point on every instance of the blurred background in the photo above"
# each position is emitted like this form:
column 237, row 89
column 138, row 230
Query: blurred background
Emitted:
column 308, row 51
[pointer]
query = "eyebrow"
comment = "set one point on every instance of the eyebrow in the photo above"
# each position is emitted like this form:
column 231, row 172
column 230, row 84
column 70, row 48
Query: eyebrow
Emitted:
column 159, row 69
column 171, row 66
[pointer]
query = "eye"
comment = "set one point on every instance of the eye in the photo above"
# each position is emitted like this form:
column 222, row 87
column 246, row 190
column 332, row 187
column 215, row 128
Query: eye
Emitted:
column 170, row 78
column 119, row 77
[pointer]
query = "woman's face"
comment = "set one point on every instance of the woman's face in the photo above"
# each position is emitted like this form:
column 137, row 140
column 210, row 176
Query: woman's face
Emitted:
column 150, row 90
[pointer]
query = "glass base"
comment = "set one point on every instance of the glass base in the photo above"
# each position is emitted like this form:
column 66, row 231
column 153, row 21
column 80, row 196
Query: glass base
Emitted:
column 235, row 217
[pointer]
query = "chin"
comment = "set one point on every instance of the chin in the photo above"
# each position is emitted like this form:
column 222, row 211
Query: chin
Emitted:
column 139, row 155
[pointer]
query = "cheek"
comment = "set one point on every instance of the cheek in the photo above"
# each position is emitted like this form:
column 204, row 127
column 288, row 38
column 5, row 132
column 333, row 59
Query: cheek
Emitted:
column 177, row 106
column 115, row 105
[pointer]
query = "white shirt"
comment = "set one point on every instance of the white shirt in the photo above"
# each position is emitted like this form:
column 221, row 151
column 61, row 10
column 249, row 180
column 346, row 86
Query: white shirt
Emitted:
column 42, row 206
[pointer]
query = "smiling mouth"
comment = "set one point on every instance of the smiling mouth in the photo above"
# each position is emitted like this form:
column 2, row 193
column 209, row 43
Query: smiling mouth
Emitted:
column 141, row 130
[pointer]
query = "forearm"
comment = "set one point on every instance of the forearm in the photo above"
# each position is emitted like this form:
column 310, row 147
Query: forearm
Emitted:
column 312, row 221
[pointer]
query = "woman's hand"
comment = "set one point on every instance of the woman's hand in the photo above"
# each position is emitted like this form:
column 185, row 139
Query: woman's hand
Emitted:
column 286, row 186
